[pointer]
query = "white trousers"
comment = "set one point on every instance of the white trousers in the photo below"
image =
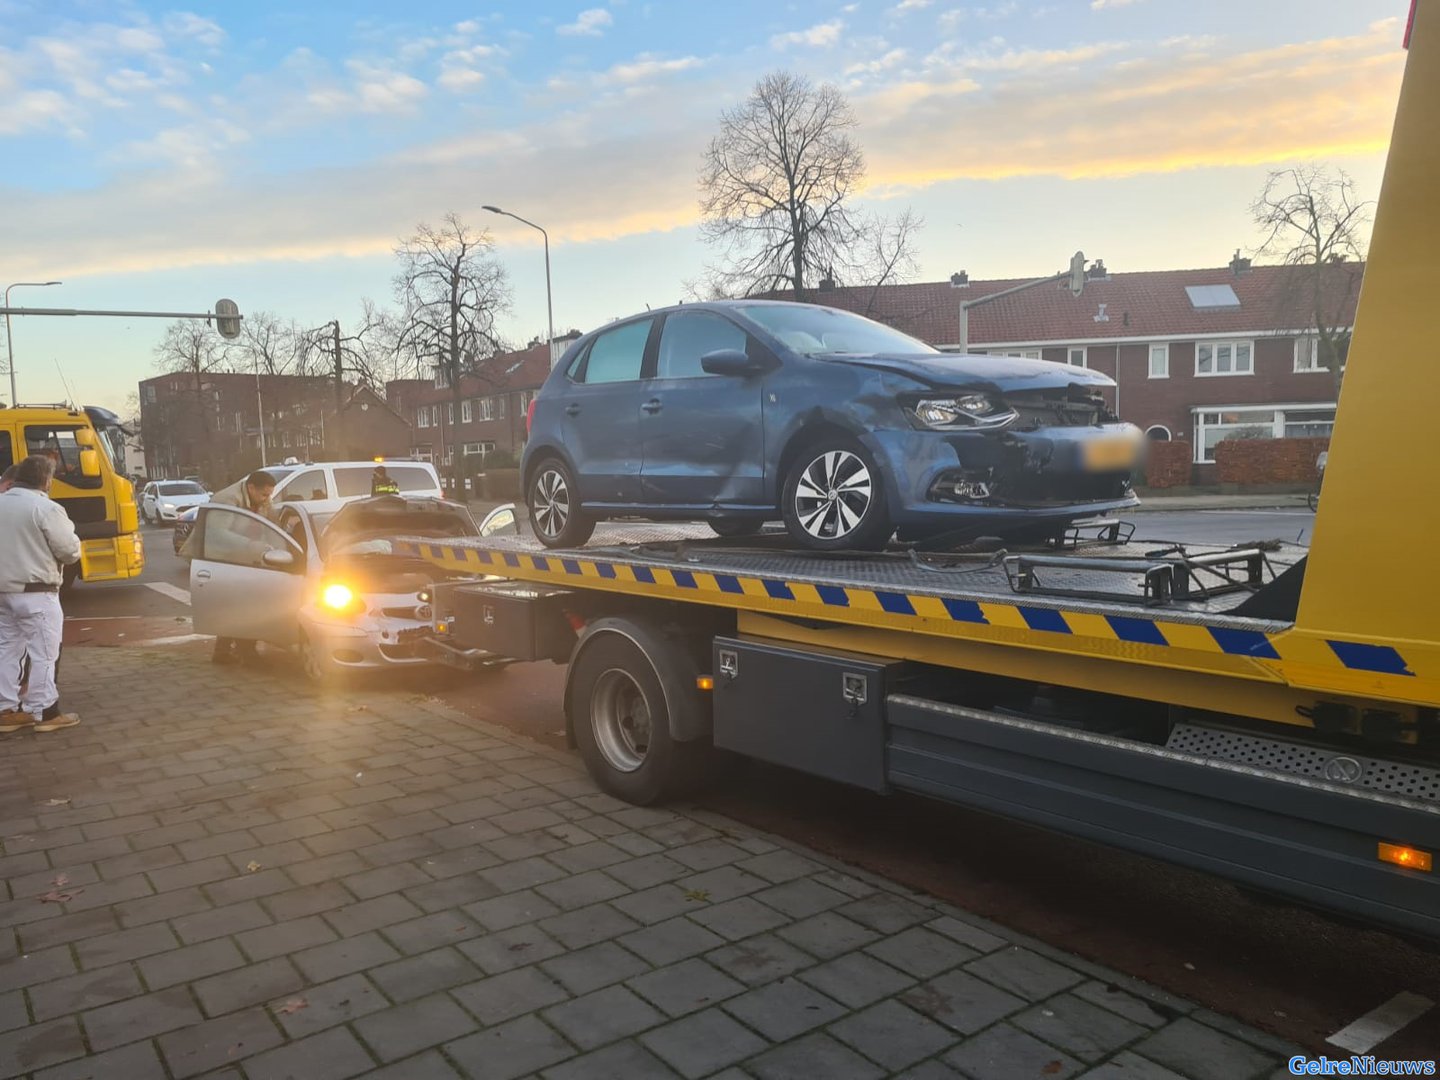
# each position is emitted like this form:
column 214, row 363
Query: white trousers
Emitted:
column 30, row 624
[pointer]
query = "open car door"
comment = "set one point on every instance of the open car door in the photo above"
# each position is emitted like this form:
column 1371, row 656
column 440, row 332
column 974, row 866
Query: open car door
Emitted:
column 247, row 577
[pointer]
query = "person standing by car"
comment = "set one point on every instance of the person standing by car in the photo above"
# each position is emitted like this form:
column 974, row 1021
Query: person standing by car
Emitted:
column 381, row 483
column 38, row 538
column 248, row 493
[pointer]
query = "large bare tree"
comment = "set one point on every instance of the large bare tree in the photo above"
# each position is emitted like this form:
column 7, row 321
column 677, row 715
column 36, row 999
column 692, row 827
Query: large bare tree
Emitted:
column 776, row 184
column 1313, row 220
column 450, row 288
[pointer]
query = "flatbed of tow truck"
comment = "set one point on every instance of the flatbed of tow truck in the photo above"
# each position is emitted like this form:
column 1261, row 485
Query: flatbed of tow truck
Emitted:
column 1268, row 715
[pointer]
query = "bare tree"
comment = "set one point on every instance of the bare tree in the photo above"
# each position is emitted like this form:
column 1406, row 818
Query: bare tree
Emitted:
column 886, row 254
column 1313, row 221
column 450, row 289
column 774, row 183
column 191, row 349
column 268, row 345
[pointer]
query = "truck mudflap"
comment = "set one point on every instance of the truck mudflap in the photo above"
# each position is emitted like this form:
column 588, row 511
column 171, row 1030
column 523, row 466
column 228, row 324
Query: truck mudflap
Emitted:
column 1312, row 840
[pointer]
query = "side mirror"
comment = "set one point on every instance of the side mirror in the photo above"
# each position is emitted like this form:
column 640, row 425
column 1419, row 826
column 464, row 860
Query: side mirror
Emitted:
column 729, row 362
column 278, row 559
column 89, row 462
column 499, row 520
column 84, row 436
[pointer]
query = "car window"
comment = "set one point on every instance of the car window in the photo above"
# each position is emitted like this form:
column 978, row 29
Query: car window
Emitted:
column 817, row 331
column 352, row 482
column 294, row 528
column 237, row 538
column 412, row 478
column 689, row 335
column 57, row 442
column 309, row 484
column 7, row 456
column 181, row 487
column 616, row 355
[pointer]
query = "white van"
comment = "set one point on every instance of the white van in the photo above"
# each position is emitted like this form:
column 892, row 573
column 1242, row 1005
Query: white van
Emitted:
column 325, row 486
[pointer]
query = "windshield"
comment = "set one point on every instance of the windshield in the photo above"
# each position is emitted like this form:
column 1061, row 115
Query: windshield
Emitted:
column 112, row 443
column 819, row 331
column 182, row 487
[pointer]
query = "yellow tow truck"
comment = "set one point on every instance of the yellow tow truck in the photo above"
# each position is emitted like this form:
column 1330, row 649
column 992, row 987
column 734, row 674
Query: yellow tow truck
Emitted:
column 88, row 447
column 1268, row 714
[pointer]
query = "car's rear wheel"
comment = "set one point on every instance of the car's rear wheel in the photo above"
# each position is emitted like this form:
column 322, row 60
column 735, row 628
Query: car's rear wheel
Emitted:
column 554, row 504
column 731, row 527
column 834, row 499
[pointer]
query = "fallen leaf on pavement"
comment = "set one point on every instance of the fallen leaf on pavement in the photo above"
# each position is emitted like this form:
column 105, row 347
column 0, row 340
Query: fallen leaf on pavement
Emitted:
column 252, row 866
column 57, row 802
column 236, row 1049
column 294, row 1005
column 55, row 896
column 61, row 880
column 520, row 946
column 697, row 894
column 358, row 708
column 1050, row 1068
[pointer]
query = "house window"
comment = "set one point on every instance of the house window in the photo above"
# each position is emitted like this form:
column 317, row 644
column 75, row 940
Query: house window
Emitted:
column 1224, row 358
column 481, row 448
column 1307, row 355
column 487, row 408
column 1159, row 361
column 1027, row 354
column 467, row 414
column 285, row 438
column 500, row 407
column 434, row 415
column 442, row 379
column 1075, row 356
column 422, row 417
column 1214, row 426
column 150, row 394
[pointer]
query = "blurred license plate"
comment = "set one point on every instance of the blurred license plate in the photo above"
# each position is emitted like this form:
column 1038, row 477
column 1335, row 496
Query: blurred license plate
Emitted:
column 1106, row 455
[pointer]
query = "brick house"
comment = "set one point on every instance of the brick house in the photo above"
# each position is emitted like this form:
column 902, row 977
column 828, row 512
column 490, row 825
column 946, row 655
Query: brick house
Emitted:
column 489, row 416
column 210, row 425
column 1200, row 356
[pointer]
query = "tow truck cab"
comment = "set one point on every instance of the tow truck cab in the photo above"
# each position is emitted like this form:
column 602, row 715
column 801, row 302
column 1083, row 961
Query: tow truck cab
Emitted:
column 88, row 447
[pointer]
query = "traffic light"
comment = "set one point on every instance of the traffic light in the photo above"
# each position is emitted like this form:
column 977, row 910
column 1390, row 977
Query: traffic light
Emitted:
column 1077, row 273
column 227, row 319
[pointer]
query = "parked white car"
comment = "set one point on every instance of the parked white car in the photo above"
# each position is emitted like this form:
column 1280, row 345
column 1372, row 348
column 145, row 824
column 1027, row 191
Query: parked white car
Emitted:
column 166, row 500
column 329, row 586
column 323, row 487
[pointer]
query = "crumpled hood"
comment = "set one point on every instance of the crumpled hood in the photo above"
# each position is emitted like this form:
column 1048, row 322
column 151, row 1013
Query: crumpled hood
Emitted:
column 974, row 372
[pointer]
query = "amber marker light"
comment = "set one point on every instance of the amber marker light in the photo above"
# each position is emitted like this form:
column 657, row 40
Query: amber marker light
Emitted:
column 705, row 682
column 1408, row 857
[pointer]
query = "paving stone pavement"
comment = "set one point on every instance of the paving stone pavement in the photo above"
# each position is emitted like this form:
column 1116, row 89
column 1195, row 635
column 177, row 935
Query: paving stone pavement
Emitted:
column 230, row 875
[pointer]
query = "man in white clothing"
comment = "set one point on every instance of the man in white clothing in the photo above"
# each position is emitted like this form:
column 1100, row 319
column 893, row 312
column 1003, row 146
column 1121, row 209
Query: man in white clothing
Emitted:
column 38, row 539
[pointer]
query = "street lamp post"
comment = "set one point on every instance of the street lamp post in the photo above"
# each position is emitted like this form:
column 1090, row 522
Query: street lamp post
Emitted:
column 549, row 308
column 9, row 346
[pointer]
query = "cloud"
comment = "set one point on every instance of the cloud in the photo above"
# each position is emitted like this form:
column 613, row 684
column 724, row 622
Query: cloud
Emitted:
column 892, row 59
column 189, row 25
column 907, row 6
column 1101, row 5
column 591, row 22
column 819, row 36
column 646, row 67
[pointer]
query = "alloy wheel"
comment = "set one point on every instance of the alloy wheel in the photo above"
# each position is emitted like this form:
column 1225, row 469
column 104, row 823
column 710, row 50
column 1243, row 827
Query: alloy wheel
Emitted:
column 552, row 502
column 833, row 495
column 620, row 716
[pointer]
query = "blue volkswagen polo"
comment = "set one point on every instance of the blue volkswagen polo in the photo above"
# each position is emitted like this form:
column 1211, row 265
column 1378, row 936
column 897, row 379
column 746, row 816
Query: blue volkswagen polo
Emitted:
column 747, row 411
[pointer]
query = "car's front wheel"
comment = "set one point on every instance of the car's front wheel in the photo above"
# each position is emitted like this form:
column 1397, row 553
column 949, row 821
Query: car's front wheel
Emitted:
column 732, row 527
column 834, row 498
column 554, row 504
column 319, row 671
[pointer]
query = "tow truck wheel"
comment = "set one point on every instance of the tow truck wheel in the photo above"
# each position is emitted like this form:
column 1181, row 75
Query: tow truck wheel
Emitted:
column 621, row 722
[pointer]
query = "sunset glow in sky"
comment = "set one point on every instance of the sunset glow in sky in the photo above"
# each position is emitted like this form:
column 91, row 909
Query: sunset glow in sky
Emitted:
column 158, row 157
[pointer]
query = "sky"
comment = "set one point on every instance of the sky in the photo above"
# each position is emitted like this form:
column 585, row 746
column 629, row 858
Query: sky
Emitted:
column 158, row 157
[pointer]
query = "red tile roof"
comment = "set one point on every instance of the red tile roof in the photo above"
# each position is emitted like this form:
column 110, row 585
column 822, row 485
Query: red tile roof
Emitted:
column 1138, row 305
column 525, row 369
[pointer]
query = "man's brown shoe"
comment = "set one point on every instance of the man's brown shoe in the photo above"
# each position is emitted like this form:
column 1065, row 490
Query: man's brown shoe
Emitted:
column 15, row 720
column 58, row 722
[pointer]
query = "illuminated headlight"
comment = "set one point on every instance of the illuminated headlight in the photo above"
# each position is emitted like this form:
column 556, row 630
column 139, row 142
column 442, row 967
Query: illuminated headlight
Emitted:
column 341, row 598
column 962, row 411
